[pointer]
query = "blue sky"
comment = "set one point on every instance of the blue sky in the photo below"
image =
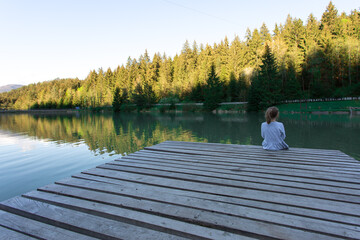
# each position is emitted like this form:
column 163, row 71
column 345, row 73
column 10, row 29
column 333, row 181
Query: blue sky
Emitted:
column 43, row 40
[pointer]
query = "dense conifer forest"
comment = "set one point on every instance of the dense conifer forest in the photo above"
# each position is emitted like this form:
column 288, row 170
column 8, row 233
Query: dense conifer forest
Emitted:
column 297, row 60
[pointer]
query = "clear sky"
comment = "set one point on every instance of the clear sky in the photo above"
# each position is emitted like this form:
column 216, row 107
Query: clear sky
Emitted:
column 46, row 39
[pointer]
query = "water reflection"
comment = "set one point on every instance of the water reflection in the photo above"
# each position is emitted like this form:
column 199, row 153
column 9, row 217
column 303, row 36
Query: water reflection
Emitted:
column 27, row 163
column 340, row 132
column 126, row 133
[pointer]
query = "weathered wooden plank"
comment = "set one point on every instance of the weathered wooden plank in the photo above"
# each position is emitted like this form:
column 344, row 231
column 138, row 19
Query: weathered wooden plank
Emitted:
column 290, row 154
column 238, row 184
column 212, row 214
column 150, row 191
column 149, row 168
column 273, row 155
column 219, row 160
column 159, row 223
column 266, row 156
column 249, row 147
column 254, row 148
column 238, row 146
column 7, row 234
column 171, row 198
column 79, row 222
column 258, row 163
column 263, row 173
column 294, row 200
column 238, row 166
column 329, row 169
column 244, row 167
column 29, row 228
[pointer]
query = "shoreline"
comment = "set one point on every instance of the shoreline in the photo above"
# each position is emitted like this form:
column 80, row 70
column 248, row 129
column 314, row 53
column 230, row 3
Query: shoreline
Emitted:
column 47, row 111
column 351, row 107
column 217, row 111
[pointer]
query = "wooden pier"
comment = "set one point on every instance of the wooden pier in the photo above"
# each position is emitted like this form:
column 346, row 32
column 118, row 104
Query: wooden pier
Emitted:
column 184, row 190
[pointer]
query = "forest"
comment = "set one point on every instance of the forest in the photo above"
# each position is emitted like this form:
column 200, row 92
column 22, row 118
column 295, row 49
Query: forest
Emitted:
column 297, row 60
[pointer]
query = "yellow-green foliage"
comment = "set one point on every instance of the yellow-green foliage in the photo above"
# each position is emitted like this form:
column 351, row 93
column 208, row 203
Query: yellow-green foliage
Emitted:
column 315, row 58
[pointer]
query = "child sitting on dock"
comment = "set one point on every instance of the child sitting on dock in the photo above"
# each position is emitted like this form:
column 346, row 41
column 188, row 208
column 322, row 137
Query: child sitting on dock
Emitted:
column 272, row 131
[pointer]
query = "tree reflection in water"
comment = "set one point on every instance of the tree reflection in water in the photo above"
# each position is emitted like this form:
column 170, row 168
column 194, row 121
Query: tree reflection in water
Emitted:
column 125, row 133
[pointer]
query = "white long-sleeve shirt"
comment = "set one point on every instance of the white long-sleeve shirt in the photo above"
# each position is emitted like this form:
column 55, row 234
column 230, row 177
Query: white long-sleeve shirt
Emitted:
column 274, row 136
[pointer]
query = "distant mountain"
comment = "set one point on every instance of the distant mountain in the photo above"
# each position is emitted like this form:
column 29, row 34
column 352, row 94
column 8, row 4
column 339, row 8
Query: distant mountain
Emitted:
column 9, row 87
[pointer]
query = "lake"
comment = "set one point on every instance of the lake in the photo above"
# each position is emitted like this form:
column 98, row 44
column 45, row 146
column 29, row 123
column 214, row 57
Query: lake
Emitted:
column 38, row 149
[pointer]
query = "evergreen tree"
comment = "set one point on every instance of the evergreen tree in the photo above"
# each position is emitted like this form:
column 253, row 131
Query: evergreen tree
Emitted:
column 212, row 91
column 205, row 60
column 222, row 53
column 264, row 34
column 254, row 50
column 237, row 60
column 276, row 31
column 287, row 32
column 329, row 20
column 153, row 73
column 292, row 89
column 143, row 96
column 255, row 96
column 163, row 88
column 242, row 88
column 312, row 34
column 232, row 89
column 117, row 101
column 266, row 88
column 197, row 93
column 270, row 78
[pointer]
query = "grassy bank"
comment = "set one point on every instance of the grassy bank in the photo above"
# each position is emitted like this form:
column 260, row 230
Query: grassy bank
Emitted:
column 321, row 107
column 42, row 111
column 198, row 107
column 304, row 107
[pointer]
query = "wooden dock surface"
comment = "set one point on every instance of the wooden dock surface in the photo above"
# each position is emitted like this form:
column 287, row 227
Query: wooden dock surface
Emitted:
column 184, row 190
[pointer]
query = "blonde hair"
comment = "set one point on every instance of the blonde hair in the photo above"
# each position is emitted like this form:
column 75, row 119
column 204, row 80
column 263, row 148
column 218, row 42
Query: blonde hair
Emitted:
column 271, row 113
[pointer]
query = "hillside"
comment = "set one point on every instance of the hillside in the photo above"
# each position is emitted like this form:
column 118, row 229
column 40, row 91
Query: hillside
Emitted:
column 9, row 87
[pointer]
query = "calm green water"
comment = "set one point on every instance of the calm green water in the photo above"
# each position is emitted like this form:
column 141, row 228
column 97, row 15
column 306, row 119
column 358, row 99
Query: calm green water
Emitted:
column 36, row 150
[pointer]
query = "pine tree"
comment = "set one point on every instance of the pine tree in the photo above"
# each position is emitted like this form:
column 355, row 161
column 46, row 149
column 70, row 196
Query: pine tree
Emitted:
column 266, row 88
column 255, row 96
column 164, row 85
column 152, row 75
column 292, row 89
column 276, row 30
column 143, row 96
column 117, row 101
column 212, row 91
column 312, row 34
column 232, row 89
column 197, row 93
column 287, row 32
column 253, row 50
column 264, row 34
column 329, row 20
column 237, row 60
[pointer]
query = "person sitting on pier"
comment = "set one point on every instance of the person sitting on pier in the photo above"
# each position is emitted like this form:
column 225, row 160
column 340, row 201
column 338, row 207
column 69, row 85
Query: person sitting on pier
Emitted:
column 272, row 131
